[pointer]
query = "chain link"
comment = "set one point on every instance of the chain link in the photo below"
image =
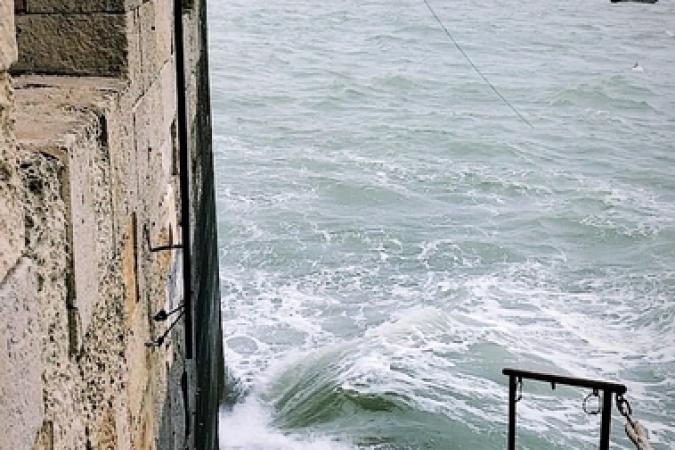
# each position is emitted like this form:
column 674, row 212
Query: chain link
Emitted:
column 624, row 408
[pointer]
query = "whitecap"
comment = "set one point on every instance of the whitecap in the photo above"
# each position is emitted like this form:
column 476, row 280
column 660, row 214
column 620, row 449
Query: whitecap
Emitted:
column 252, row 423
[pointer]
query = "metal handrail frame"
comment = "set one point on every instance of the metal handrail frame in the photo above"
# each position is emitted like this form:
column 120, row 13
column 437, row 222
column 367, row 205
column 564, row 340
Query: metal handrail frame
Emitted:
column 608, row 389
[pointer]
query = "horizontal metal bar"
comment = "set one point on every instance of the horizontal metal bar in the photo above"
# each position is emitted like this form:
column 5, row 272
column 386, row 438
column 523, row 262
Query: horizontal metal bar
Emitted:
column 570, row 381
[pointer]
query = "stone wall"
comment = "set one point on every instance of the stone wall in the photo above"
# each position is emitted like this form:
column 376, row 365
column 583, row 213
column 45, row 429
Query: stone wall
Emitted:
column 89, row 187
column 20, row 330
column 11, row 236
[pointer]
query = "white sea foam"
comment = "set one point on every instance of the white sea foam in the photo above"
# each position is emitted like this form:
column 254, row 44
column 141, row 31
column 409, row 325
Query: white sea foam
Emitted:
column 388, row 228
column 247, row 427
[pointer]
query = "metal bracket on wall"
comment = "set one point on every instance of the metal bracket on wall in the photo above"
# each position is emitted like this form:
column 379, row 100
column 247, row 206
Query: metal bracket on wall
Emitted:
column 159, row 248
column 157, row 343
column 162, row 315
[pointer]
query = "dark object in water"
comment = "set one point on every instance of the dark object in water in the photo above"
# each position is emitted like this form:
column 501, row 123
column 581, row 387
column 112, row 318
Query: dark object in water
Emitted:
column 634, row 1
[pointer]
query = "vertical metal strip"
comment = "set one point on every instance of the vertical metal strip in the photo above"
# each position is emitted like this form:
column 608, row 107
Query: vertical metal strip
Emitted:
column 606, row 419
column 181, row 118
column 512, row 413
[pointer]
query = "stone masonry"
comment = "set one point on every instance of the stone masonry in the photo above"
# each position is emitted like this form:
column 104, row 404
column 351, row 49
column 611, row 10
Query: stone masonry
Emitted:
column 89, row 186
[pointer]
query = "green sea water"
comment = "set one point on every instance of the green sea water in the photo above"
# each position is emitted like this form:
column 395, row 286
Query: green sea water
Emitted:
column 392, row 235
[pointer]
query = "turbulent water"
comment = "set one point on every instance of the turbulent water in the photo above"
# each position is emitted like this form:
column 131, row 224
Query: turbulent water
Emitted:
column 392, row 235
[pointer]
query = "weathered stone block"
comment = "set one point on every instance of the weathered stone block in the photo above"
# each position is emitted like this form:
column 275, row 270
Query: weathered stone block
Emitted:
column 80, row 44
column 21, row 369
column 149, row 130
column 123, row 180
column 11, row 211
column 150, row 57
column 11, row 227
column 150, row 44
column 130, row 243
column 76, row 138
column 166, row 171
column 89, row 264
column 7, row 35
column 168, row 80
column 150, row 36
column 164, row 28
column 79, row 199
column 154, row 146
column 81, row 6
column 135, row 63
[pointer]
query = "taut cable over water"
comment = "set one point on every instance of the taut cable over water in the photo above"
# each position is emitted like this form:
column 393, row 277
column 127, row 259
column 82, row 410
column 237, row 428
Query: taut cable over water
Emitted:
column 475, row 68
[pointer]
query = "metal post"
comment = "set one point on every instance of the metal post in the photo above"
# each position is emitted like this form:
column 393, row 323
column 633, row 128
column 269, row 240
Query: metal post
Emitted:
column 606, row 419
column 184, row 161
column 512, row 413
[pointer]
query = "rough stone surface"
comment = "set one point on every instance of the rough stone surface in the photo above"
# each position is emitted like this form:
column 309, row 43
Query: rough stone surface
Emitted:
column 20, row 379
column 80, row 6
column 164, row 29
column 11, row 214
column 92, row 186
column 71, row 167
column 47, row 238
column 104, row 388
column 11, row 223
column 81, row 148
column 7, row 35
column 77, row 44
column 150, row 57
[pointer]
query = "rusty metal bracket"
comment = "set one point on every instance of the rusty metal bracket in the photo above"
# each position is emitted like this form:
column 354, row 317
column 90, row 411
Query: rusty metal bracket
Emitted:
column 162, row 315
column 157, row 343
column 159, row 248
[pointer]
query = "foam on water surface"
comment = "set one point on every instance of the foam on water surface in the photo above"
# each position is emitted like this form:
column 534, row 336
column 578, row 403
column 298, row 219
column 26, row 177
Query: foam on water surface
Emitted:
column 391, row 237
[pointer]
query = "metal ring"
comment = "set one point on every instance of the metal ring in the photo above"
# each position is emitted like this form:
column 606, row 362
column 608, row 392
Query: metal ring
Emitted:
column 584, row 405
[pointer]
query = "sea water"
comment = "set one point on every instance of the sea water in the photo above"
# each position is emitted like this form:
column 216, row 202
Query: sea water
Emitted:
column 392, row 235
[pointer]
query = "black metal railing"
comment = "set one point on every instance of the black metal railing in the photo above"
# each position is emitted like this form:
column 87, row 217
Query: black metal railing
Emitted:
column 608, row 389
